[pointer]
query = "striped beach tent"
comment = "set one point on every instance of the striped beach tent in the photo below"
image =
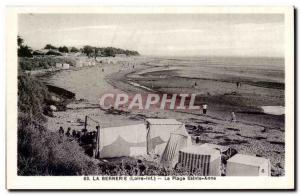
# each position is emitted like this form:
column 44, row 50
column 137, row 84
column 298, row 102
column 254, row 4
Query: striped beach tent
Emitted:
column 201, row 159
column 159, row 132
column 178, row 139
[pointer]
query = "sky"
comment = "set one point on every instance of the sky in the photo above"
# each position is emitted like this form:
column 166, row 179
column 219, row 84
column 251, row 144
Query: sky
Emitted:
column 260, row 35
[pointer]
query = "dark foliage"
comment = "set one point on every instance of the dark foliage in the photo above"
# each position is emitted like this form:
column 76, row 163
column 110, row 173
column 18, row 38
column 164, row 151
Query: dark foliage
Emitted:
column 49, row 46
column 63, row 49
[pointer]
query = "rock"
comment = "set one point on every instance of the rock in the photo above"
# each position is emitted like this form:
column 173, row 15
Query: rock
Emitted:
column 54, row 98
column 53, row 108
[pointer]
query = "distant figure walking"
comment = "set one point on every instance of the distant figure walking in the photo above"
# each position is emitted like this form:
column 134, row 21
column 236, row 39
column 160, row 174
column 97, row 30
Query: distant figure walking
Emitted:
column 195, row 84
column 204, row 108
column 233, row 117
column 102, row 69
column 61, row 130
column 237, row 84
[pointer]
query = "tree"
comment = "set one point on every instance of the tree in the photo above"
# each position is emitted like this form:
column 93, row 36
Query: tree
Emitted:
column 109, row 51
column 63, row 49
column 23, row 50
column 20, row 41
column 49, row 46
column 74, row 49
column 88, row 50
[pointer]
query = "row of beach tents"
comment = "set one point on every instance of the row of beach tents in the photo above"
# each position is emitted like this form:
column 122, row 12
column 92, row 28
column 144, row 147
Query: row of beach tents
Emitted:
column 169, row 140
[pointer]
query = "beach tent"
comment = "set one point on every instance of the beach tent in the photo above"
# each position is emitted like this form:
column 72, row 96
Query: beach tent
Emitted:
column 246, row 165
column 159, row 131
column 205, row 160
column 127, row 140
column 178, row 139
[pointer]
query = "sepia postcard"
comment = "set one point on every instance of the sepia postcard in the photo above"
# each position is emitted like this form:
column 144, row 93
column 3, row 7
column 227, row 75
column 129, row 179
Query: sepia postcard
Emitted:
column 150, row 98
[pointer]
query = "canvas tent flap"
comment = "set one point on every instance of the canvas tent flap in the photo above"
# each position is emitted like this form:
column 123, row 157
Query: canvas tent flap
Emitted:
column 123, row 141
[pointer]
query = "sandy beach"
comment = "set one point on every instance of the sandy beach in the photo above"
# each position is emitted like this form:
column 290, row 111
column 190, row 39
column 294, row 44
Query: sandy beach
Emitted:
column 254, row 133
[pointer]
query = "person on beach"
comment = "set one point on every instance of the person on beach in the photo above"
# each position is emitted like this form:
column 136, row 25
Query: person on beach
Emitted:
column 84, row 131
column 97, row 128
column 68, row 132
column 233, row 117
column 73, row 133
column 204, row 108
column 61, row 130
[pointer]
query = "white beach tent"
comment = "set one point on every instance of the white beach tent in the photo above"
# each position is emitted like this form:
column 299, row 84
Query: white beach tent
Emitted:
column 65, row 66
column 58, row 65
column 127, row 140
column 246, row 165
column 195, row 158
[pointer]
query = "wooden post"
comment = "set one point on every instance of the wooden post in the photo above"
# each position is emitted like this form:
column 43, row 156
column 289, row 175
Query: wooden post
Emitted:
column 97, row 152
column 85, row 122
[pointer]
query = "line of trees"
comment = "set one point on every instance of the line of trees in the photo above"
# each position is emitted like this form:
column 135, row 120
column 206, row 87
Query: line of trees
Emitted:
column 107, row 51
column 90, row 51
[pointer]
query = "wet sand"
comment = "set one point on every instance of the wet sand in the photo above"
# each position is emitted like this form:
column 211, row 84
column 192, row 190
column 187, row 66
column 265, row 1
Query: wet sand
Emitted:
column 254, row 133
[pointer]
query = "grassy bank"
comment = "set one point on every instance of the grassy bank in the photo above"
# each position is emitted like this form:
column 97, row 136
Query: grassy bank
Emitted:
column 41, row 152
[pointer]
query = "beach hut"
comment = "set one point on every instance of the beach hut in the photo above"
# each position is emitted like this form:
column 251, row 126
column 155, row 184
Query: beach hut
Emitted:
column 58, row 65
column 152, row 137
column 204, row 160
column 65, row 66
column 246, row 165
